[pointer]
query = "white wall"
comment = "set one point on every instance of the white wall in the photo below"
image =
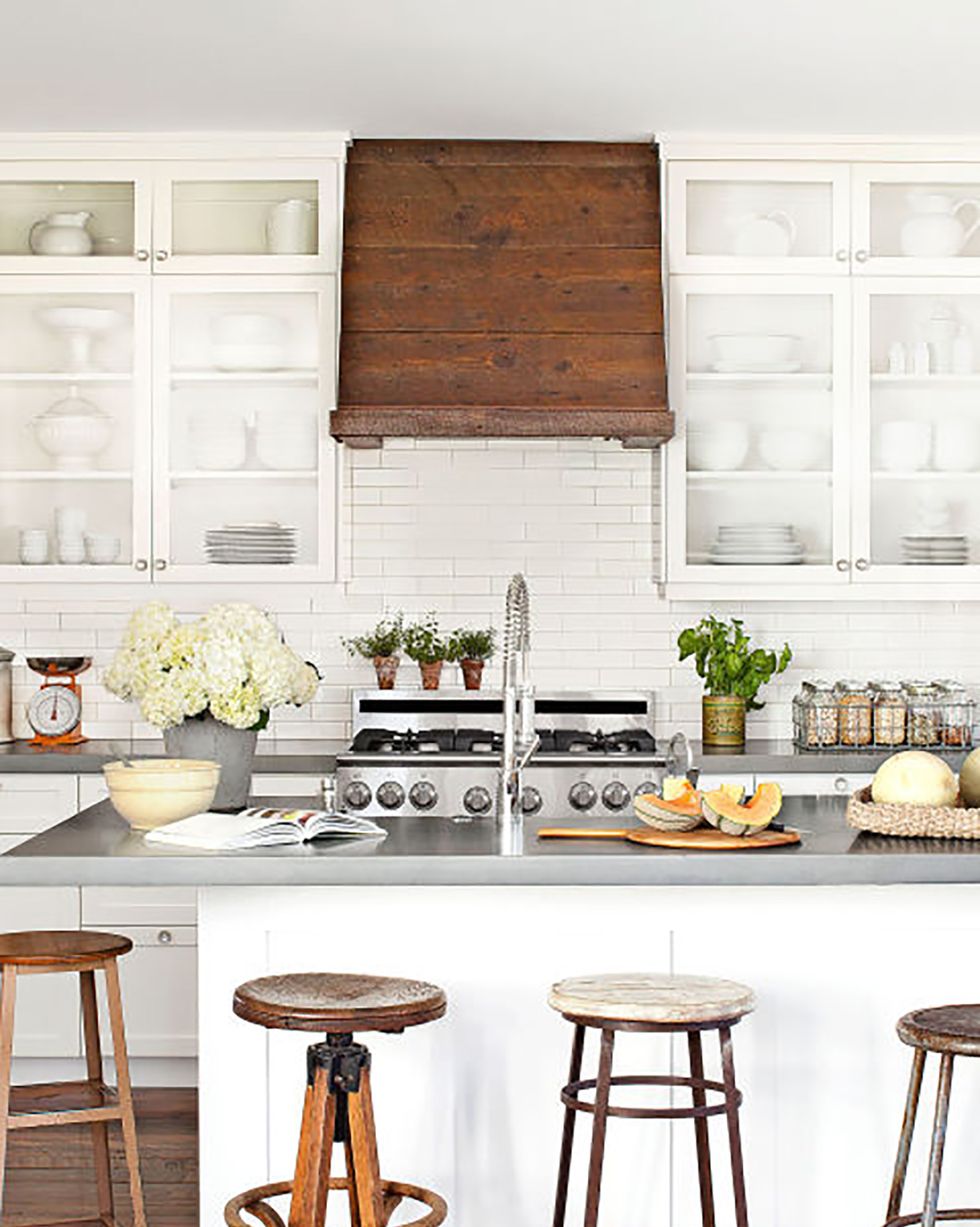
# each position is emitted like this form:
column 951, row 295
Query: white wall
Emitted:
column 443, row 524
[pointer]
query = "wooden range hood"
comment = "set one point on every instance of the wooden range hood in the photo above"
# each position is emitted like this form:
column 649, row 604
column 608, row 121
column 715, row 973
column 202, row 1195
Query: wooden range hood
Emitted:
column 502, row 289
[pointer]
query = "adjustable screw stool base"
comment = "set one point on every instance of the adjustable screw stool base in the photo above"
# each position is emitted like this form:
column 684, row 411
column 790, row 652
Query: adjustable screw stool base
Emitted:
column 337, row 1107
column 686, row 1004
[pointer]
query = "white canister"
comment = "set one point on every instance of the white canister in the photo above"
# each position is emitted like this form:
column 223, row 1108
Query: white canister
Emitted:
column 290, row 228
column 6, row 696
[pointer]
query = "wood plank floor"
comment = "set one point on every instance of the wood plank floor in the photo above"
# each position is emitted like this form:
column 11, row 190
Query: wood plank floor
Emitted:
column 50, row 1176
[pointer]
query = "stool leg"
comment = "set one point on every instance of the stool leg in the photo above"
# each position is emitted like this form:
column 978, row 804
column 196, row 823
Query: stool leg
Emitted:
column 308, row 1205
column 93, row 1065
column 8, row 993
column 701, row 1131
column 905, row 1138
column 128, row 1122
column 568, row 1131
column 938, row 1140
column 599, row 1118
column 364, row 1148
column 734, row 1133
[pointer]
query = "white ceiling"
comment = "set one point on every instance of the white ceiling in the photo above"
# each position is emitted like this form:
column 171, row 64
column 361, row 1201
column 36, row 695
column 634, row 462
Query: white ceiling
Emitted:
column 600, row 69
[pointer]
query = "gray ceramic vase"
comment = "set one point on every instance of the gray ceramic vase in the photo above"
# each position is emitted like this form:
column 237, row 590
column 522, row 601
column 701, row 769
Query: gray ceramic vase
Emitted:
column 205, row 737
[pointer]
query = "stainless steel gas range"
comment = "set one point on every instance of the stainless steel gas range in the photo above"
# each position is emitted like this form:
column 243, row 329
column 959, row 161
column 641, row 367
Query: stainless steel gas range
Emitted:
column 437, row 753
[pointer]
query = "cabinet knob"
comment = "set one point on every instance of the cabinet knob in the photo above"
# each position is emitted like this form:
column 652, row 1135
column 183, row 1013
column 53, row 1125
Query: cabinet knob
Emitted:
column 140, row 564
column 840, row 784
column 142, row 255
column 862, row 564
column 165, row 937
column 842, row 564
column 841, row 255
column 861, row 255
column 161, row 255
column 159, row 564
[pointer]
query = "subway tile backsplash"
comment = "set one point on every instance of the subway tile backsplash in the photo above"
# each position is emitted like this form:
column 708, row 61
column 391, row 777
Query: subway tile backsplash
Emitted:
column 442, row 525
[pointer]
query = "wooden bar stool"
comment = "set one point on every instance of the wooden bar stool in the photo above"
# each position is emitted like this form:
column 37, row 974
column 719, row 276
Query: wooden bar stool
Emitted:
column 337, row 1107
column 72, row 1103
column 949, row 1031
column 651, row 1003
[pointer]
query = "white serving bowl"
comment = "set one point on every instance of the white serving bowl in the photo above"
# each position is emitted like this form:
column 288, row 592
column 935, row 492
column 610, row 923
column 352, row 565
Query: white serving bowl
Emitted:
column 755, row 350
column 789, row 449
column 248, row 341
column 102, row 549
column 150, row 792
column 72, row 441
column 722, row 446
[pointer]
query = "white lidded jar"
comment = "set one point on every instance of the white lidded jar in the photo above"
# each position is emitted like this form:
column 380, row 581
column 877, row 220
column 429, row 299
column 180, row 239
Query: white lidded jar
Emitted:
column 73, row 431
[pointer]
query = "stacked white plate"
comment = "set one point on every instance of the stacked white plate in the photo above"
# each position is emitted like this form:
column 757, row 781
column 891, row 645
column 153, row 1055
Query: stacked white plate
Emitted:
column 935, row 549
column 256, row 544
column 756, row 545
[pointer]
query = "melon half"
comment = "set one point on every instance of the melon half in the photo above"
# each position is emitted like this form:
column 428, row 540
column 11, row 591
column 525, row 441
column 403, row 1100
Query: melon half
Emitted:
column 915, row 777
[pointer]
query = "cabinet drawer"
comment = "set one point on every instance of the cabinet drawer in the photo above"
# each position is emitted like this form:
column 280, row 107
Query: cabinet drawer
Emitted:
column 31, row 803
column 819, row 784
column 141, row 906
column 158, row 979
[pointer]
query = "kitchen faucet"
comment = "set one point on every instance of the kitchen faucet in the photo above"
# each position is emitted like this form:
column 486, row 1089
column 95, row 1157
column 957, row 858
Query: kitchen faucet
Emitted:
column 519, row 741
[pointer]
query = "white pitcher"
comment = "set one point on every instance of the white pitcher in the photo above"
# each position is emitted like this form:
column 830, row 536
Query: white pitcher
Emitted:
column 290, row 228
column 763, row 234
column 61, row 234
column 935, row 229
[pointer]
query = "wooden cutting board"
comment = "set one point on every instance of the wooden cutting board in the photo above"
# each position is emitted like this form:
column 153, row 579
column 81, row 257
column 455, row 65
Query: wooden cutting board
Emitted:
column 706, row 839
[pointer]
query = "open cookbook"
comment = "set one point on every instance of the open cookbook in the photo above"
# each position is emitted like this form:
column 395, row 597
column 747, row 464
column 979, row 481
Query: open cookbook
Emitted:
column 260, row 827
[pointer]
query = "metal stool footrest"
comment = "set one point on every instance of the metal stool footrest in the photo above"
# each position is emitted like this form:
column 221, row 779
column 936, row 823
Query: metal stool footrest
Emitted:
column 907, row 1220
column 569, row 1097
column 253, row 1202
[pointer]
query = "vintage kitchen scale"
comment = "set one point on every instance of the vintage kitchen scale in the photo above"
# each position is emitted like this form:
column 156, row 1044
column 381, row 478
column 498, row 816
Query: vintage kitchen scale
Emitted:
column 55, row 711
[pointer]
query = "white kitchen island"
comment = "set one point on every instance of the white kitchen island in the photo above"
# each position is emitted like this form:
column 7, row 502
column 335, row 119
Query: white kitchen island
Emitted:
column 838, row 938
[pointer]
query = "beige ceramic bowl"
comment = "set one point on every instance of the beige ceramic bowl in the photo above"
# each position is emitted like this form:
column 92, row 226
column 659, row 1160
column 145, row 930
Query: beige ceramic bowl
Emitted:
column 150, row 792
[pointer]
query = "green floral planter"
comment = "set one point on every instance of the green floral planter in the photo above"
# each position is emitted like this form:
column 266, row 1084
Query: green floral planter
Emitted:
column 722, row 720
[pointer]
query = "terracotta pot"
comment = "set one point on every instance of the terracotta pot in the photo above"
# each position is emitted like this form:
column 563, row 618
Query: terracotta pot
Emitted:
column 386, row 667
column 722, row 720
column 472, row 673
column 431, row 671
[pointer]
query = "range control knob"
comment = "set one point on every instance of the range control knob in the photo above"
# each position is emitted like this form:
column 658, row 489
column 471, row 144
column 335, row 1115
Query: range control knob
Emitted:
column 530, row 800
column 391, row 795
column 616, row 795
column 477, row 800
column 357, row 795
column 582, row 795
column 647, row 789
column 423, row 795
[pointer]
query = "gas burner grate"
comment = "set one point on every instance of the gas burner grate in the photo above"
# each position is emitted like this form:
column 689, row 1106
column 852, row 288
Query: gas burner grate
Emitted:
column 410, row 741
column 624, row 741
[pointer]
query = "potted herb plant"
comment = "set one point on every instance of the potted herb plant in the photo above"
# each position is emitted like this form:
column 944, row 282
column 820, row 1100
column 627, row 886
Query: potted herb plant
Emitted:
column 734, row 672
column 424, row 645
column 381, row 646
column 473, row 647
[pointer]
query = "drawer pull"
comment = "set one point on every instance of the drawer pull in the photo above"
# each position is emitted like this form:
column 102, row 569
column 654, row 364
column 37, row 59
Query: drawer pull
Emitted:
column 840, row 784
column 165, row 937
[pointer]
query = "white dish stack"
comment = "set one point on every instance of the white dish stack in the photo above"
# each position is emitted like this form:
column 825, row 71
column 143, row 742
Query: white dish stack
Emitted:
column 935, row 550
column 756, row 545
column 262, row 543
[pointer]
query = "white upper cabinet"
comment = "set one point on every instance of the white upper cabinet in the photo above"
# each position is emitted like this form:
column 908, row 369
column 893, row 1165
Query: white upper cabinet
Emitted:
column 168, row 349
column 732, row 217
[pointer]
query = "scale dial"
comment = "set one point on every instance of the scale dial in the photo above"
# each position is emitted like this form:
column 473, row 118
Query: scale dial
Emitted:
column 54, row 711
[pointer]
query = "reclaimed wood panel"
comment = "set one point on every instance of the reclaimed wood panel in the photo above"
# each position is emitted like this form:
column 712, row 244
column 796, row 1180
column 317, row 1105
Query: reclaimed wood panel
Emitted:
column 367, row 426
column 524, row 370
column 582, row 290
column 502, row 153
column 418, row 205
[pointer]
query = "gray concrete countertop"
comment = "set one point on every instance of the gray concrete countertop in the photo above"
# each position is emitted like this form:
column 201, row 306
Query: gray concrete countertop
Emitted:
column 273, row 757
column 782, row 757
column 98, row 848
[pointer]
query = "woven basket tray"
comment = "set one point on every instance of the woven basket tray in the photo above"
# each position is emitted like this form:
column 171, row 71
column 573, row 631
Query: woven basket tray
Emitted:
column 930, row 821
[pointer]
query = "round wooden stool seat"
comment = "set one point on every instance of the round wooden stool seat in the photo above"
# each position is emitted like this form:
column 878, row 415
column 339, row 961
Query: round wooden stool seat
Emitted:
column 334, row 1003
column 657, row 999
column 945, row 1028
column 60, row 948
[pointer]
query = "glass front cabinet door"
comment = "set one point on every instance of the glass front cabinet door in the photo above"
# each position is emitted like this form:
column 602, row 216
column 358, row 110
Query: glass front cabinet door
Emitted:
column 244, row 466
column 75, row 438
column 758, row 476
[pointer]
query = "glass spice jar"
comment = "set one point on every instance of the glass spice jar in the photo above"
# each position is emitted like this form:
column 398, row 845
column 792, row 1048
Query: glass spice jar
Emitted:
column 854, row 713
column 956, row 711
column 890, row 714
column 924, row 713
column 820, row 722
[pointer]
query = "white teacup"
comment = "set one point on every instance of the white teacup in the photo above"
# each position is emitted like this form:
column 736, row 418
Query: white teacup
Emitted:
column 33, row 546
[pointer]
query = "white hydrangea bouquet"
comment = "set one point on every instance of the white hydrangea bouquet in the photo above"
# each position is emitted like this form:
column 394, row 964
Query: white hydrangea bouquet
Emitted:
column 231, row 663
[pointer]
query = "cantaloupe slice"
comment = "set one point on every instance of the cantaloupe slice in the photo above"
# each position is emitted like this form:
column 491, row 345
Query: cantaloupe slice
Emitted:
column 678, row 809
column 723, row 812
